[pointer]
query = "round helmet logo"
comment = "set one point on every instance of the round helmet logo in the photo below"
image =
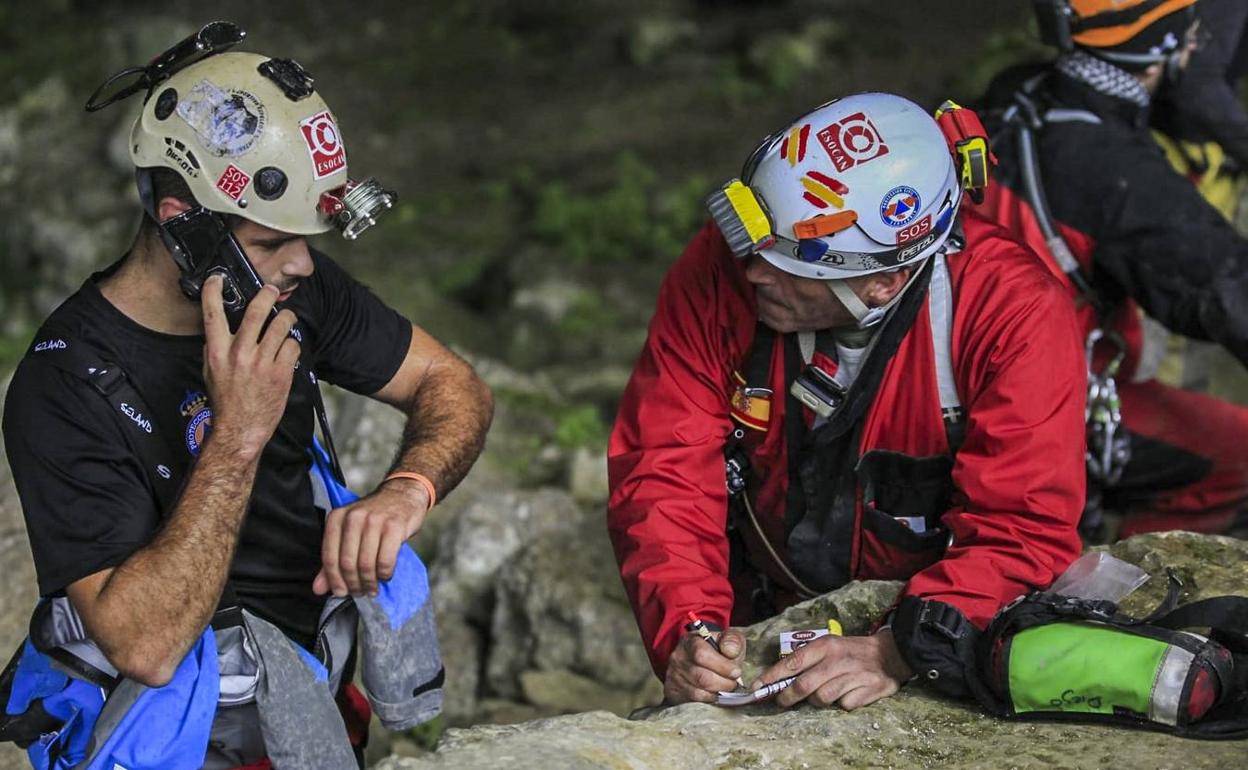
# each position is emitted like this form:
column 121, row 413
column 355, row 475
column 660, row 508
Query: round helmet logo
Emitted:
column 859, row 139
column 852, row 141
column 325, row 137
column 900, row 206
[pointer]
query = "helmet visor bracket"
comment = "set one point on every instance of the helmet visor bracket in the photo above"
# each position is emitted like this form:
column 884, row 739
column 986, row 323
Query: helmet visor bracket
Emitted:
column 214, row 37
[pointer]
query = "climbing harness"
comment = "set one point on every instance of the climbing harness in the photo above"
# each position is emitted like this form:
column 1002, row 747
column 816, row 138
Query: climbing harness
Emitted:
column 757, row 370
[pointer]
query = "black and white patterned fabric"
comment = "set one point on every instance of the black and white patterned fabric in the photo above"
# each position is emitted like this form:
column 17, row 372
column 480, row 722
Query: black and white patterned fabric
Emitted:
column 1102, row 76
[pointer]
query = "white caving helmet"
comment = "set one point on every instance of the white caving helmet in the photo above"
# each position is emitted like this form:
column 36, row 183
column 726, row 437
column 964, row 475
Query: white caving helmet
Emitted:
column 252, row 138
column 861, row 185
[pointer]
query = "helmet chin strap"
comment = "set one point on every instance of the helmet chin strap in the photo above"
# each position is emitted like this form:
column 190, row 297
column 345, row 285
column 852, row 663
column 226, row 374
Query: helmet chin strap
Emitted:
column 866, row 317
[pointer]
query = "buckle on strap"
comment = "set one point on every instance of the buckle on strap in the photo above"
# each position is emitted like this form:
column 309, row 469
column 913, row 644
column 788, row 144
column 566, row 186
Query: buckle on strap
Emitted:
column 1073, row 606
column 943, row 618
column 227, row 617
column 106, row 378
column 737, row 470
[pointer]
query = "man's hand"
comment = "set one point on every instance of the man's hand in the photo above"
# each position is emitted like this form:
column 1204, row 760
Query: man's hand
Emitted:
column 362, row 540
column 848, row 671
column 696, row 672
column 248, row 375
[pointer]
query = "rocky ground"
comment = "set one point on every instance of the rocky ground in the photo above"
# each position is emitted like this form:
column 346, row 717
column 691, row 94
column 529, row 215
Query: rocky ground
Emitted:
column 911, row 730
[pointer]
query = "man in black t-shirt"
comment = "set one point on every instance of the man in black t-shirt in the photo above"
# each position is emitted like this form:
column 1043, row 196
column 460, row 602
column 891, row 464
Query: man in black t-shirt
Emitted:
column 242, row 143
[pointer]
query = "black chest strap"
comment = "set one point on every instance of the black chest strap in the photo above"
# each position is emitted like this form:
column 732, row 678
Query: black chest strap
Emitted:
column 133, row 416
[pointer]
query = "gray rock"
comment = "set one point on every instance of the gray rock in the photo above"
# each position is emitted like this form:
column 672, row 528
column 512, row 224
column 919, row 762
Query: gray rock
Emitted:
column 1208, row 565
column 657, row 36
column 20, row 592
column 461, row 646
column 587, row 475
column 560, row 605
column 911, row 729
column 563, row 692
column 65, row 212
column 473, row 544
column 552, row 297
column 367, row 434
column 484, row 537
column 602, row 383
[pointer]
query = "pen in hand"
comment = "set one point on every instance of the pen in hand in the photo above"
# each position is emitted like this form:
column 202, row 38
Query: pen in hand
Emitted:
column 697, row 626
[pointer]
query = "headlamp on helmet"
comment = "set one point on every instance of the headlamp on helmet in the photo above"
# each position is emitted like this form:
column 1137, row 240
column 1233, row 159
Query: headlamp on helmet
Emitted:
column 741, row 217
column 968, row 143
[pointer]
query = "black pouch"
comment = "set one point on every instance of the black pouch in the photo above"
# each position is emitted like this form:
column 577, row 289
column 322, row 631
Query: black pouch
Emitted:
column 26, row 727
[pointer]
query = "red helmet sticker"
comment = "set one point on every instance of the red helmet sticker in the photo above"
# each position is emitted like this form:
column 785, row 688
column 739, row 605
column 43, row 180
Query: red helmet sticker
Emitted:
column 233, row 181
column 852, row 141
column 320, row 133
column 915, row 230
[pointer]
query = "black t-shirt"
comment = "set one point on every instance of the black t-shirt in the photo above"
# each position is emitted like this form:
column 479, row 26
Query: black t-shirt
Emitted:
column 86, row 497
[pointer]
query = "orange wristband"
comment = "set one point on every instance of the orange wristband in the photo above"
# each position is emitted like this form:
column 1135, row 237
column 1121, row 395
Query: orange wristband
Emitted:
column 417, row 477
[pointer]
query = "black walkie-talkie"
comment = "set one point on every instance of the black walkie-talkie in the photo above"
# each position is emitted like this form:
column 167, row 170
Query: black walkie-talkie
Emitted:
column 202, row 245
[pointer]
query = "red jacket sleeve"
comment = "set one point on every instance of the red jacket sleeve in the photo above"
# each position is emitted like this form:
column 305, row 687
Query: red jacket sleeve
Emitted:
column 668, row 504
column 1019, row 475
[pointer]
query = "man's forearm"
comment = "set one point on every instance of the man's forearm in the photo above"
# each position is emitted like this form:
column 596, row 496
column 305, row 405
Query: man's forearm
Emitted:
column 447, row 420
column 156, row 604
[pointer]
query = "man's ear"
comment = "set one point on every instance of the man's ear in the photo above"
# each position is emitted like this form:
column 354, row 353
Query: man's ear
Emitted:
column 882, row 287
column 169, row 207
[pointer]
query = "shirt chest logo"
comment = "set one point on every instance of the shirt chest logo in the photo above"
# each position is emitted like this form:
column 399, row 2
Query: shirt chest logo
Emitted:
column 199, row 424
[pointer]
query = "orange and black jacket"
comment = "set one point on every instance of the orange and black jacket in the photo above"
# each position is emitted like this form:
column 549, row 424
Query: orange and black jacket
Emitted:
column 1010, row 496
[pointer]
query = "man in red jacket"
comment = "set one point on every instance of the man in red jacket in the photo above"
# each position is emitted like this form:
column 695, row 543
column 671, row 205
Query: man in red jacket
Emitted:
column 895, row 389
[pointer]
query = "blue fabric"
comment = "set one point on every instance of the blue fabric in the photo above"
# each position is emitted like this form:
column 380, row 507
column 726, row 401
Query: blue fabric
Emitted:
column 339, row 495
column 167, row 728
column 318, row 668
column 78, row 704
column 34, row 679
column 405, row 593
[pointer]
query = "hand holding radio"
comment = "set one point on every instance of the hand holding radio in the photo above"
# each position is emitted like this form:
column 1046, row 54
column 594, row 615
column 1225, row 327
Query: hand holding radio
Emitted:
column 248, row 372
column 202, row 245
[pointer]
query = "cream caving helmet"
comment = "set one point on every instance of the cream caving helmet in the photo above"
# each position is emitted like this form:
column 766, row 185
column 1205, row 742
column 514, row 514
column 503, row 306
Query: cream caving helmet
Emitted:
column 248, row 133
